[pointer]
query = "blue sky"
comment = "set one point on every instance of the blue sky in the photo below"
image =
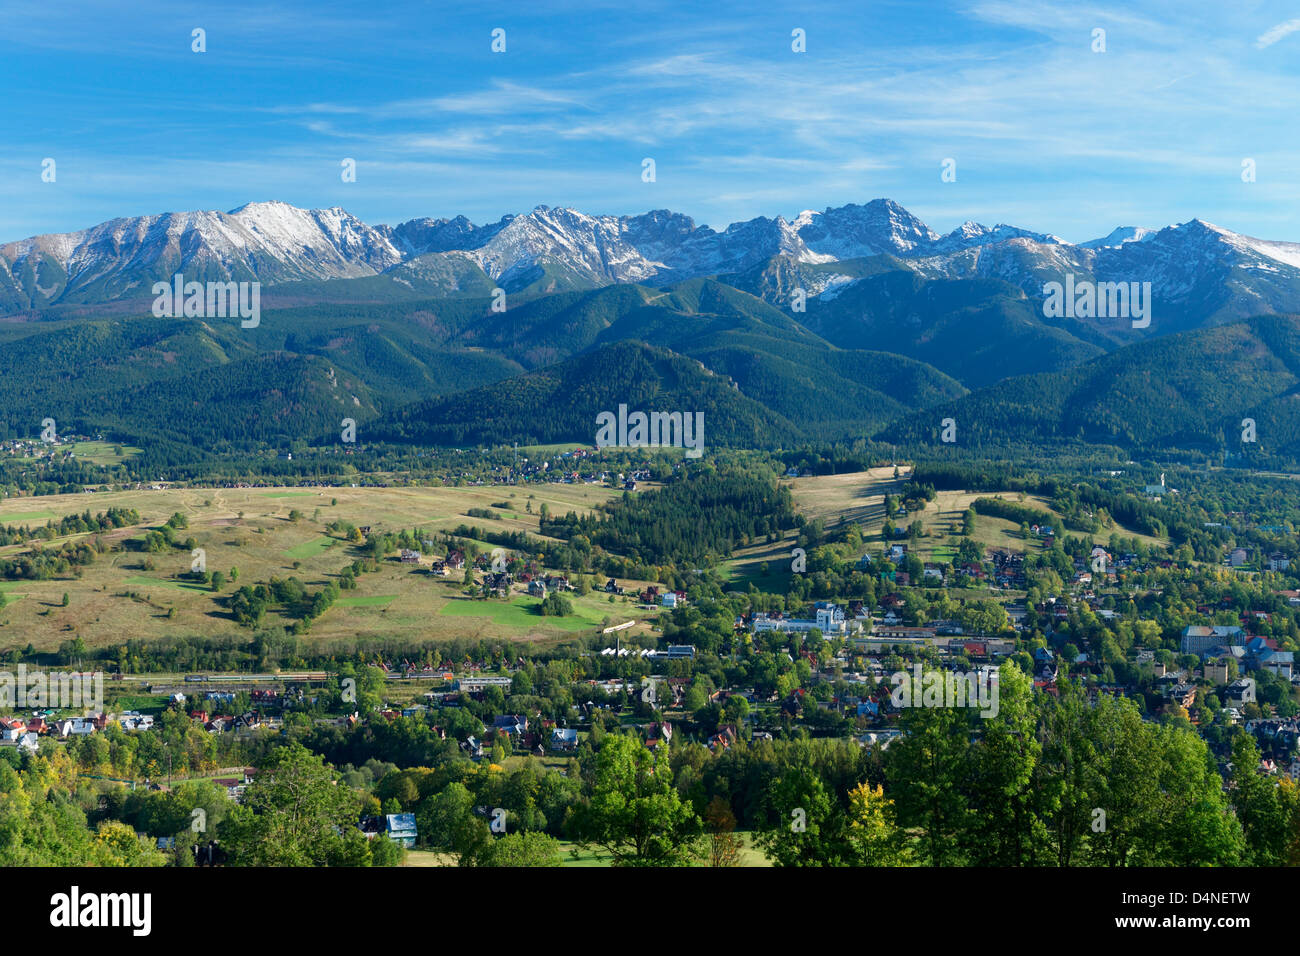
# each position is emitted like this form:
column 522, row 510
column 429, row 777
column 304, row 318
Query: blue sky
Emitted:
column 1046, row 133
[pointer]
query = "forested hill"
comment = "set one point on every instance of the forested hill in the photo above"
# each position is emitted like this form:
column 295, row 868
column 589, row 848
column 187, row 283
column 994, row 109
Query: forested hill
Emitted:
column 1188, row 391
column 560, row 403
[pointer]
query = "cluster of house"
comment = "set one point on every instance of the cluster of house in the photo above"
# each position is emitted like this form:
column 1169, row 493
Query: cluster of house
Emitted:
column 57, row 448
column 867, row 633
column 1178, row 686
column 627, row 481
column 881, row 632
column 16, row 732
column 454, row 561
column 538, row 583
column 1285, row 730
column 236, row 786
column 222, row 723
column 214, row 712
column 673, row 652
column 535, row 735
column 560, row 470
column 541, row 585
column 25, row 732
column 652, row 596
column 871, row 693
column 1240, row 557
column 1008, row 569
column 1102, row 567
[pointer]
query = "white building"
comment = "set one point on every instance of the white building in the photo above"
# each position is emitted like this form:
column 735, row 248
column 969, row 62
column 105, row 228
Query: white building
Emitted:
column 136, row 721
column 828, row 618
column 76, row 725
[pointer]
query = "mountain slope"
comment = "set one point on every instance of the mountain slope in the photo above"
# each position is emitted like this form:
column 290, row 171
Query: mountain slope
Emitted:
column 978, row 331
column 1189, row 391
column 560, row 403
column 832, row 392
column 169, row 380
column 304, row 368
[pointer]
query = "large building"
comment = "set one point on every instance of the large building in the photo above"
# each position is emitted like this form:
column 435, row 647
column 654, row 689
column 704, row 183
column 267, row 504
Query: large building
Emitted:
column 828, row 618
column 1199, row 638
column 472, row 685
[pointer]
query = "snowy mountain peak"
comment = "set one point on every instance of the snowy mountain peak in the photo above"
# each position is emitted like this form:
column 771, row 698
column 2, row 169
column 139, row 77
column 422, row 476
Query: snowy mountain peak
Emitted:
column 880, row 227
column 272, row 241
column 275, row 242
column 264, row 205
column 1198, row 227
column 1119, row 236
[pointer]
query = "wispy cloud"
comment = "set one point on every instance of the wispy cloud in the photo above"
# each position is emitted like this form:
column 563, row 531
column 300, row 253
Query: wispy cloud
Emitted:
column 1279, row 32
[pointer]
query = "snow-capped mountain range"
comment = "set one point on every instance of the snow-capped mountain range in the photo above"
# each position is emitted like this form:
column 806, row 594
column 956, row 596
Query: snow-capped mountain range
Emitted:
column 1230, row 275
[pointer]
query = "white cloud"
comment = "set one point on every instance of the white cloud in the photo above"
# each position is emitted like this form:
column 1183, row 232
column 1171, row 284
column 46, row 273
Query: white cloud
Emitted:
column 1273, row 34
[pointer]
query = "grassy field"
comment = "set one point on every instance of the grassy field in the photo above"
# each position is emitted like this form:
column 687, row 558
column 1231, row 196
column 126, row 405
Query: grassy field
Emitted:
column 853, row 497
column 857, row 496
column 309, row 549
column 941, row 521
column 747, row 565
column 102, row 452
column 27, row 517
column 95, row 452
column 522, row 611
column 144, row 703
column 249, row 529
column 860, row 497
column 374, row 600
column 142, row 581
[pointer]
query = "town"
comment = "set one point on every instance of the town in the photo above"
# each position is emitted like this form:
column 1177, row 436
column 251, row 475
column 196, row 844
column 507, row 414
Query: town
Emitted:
column 707, row 673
